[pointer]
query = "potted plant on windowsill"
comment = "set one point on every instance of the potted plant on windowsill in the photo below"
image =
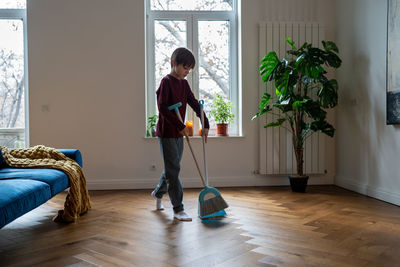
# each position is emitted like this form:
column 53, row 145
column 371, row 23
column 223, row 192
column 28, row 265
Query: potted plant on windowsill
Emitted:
column 151, row 126
column 295, row 80
column 221, row 111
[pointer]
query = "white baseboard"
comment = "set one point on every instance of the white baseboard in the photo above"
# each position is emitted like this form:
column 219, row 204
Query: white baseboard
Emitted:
column 194, row 182
column 372, row 191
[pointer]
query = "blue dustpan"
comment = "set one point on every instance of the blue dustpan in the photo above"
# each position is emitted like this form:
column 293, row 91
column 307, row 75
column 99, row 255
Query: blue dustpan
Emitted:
column 210, row 199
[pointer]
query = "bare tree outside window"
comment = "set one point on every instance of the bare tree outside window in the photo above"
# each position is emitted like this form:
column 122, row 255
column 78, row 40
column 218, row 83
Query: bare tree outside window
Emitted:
column 11, row 75
column 214, row 61
column 12, row 80
column 206, row 5
column 169, row 35
column 12, row 4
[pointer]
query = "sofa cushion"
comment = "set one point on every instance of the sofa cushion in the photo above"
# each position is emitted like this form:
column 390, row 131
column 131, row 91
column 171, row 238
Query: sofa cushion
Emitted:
column 18, row 196
column 56, row 179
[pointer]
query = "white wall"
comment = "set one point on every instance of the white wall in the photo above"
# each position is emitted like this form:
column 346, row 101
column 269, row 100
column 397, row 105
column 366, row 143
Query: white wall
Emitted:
column 367, row 149
column 86, row 63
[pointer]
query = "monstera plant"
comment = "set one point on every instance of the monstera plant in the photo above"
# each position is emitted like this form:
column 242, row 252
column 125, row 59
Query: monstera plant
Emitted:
column 302, row 94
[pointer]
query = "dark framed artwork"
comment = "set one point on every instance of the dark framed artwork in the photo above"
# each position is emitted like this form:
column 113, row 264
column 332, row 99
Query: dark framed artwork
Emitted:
column 393, row 63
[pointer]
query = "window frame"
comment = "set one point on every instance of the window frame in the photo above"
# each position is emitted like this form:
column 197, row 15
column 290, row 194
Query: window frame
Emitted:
column 192, row 18
column 20, row 14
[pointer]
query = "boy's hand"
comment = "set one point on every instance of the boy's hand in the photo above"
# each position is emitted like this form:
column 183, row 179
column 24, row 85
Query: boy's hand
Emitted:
column 185, row 132
column 205, row 134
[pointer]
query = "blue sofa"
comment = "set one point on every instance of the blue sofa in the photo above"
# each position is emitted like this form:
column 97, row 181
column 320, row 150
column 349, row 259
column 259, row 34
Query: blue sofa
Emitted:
column 22, row 190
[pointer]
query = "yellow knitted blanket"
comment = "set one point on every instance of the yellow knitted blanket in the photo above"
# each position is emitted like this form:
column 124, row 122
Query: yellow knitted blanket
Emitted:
column 77, row 201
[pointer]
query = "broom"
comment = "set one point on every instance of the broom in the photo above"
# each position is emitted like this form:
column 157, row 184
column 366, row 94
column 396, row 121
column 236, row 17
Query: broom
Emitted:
column 211, row 204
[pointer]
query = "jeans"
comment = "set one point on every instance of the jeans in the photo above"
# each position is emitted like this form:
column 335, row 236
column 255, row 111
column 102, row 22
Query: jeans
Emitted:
column 171, row 152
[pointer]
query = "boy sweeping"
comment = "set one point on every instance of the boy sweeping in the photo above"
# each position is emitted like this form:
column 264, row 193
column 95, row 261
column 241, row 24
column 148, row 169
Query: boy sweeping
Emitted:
column 174, row 88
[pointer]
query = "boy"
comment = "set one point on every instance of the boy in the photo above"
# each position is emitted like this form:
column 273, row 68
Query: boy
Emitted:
column 174, row 88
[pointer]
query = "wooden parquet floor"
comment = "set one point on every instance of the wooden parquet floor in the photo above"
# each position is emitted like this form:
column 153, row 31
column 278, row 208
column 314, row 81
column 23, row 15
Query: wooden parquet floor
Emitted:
column 265, row 226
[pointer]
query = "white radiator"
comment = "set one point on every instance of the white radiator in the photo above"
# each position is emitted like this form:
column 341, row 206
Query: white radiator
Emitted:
column 276, row 151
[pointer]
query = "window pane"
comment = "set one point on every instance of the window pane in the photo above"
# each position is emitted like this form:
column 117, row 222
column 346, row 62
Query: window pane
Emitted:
column 12, row 112
column 12, row 3
column 214, row 74
column 204, row 5
column 169, row 35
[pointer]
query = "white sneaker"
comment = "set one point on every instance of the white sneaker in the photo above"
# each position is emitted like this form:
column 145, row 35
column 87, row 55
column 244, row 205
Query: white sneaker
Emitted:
column 182, row 216
column 159, row 205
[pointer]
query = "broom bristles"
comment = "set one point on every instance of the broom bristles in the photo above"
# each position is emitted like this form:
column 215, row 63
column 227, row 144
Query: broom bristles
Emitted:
column 212, row 205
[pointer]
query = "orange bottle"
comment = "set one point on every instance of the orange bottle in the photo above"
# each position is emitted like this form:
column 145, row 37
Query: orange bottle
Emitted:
column 189, row 125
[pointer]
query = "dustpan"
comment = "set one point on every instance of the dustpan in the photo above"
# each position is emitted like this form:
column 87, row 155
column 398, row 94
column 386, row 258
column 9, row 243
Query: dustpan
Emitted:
column 205, row 195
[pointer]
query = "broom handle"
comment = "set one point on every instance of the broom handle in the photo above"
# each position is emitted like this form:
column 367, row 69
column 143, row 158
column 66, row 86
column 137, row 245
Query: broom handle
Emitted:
column 191, row 150
column 202, row 137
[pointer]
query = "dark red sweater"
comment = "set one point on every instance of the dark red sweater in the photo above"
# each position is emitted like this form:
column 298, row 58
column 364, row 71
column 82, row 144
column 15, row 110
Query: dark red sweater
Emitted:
column 171, row 91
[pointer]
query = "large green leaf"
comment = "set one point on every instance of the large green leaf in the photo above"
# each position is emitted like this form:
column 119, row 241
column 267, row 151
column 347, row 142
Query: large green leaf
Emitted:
column 328, row 46
column 267, row 109
column 284, row 105
column 310, row 61
column 332, row 60
column 276, row 123
column 282, row 82
column 268, row 64
column 323, row 126
column 314, row 110
column 328, row 94
column 264, row 100
column 281, row 68
column 316, row 71
column 264, row 108
column 298, row 104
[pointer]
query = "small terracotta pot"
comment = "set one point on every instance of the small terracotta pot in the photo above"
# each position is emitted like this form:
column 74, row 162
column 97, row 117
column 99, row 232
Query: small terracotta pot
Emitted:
column 222, row 129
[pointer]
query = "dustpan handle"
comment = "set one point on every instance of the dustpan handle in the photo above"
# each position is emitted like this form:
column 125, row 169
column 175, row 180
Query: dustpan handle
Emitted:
column 201, row 102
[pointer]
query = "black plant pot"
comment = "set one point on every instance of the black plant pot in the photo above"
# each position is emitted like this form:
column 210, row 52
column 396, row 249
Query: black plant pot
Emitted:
column 298, row 183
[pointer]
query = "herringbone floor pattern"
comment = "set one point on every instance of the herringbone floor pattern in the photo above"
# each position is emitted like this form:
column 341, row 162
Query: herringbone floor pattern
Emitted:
column 269, row 226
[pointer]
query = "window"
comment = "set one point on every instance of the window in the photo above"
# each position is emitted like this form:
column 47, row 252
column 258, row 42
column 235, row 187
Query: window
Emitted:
column 13, row 78
column 208, row 28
